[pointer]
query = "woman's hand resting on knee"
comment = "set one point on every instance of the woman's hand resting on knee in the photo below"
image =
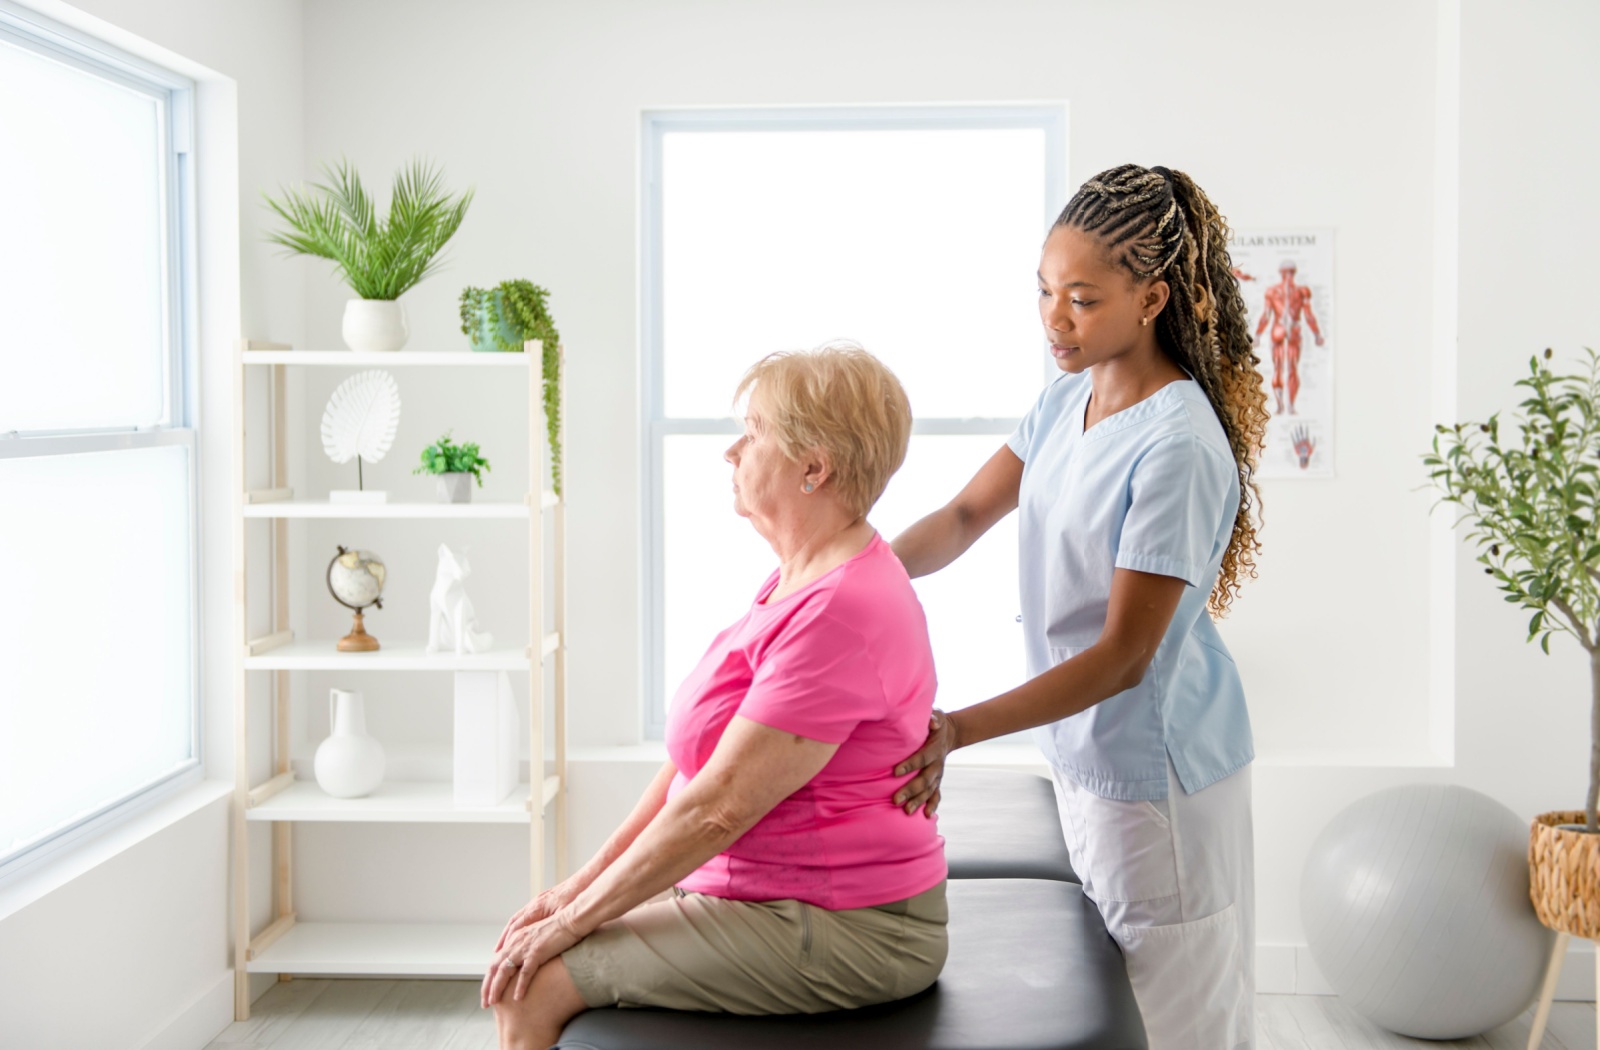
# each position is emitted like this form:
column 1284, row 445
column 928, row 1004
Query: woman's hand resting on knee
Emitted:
column 522, row 953
column 543, row 906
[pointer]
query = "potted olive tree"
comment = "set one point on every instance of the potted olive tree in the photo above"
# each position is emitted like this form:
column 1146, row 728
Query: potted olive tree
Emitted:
column 455, row 466
column 505, row 317
column 1529, row 498
column 380, row 259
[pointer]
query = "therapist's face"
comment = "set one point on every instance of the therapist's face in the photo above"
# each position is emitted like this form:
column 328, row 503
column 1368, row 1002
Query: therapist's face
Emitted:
column 1090, row 308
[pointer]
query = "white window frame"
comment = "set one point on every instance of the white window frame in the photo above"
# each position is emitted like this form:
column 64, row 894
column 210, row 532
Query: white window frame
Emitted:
column 1051, row 118
column 175, row 94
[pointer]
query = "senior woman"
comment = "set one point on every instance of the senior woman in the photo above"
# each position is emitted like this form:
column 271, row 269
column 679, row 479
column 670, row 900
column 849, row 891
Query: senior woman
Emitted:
column 795, row 884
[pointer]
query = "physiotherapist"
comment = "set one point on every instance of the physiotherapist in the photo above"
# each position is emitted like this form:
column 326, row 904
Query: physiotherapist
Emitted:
column 1133, row 476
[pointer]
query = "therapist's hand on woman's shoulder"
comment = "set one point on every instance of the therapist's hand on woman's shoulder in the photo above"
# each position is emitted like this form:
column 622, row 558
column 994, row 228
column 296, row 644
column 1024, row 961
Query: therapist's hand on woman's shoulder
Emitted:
column 922, row 790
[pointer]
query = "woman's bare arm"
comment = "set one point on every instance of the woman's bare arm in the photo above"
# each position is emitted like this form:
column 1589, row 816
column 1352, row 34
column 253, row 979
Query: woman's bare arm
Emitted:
column 551, row 900
column 753, row 769
column 650, row 803
column 943, row 536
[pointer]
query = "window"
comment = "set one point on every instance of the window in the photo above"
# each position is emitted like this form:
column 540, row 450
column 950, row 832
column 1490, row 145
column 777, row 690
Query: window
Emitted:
column 98, row 537
column 913, row 231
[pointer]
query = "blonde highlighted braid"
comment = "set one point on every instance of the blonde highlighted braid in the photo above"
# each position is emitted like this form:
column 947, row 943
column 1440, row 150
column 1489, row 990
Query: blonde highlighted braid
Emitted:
column 1156, row 223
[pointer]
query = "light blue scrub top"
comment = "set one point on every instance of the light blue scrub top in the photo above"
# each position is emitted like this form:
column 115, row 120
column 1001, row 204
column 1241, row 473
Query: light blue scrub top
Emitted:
column 1152, row 488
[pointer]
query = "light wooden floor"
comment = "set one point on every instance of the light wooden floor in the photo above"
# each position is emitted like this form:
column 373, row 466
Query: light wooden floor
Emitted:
column 444, row 1015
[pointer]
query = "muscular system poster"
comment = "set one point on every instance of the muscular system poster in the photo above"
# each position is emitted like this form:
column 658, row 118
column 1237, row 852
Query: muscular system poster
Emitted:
column 1287, row 280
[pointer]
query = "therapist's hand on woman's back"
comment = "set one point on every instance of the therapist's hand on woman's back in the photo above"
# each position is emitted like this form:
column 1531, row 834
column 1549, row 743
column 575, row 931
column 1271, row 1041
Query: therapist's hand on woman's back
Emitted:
column 922, row 790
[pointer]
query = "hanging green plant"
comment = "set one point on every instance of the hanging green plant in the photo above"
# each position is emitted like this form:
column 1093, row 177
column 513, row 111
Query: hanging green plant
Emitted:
column 503, row 318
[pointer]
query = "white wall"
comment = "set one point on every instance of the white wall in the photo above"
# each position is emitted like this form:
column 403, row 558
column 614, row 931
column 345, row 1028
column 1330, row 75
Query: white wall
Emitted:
column 149, row 928
column 550, row 140
column 129, row 955
column 1287, row 117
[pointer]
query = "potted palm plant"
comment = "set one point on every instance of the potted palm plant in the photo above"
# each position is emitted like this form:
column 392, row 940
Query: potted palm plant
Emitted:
column 1529, row 498
column 455, row 466
column 380, row 259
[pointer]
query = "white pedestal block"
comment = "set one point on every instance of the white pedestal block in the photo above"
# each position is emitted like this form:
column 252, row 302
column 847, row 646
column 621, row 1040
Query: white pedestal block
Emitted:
column 366, row 497
column 485, row 738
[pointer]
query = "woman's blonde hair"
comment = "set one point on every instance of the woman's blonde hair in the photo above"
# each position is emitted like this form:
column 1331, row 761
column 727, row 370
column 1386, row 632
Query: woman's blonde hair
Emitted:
column 840, row 400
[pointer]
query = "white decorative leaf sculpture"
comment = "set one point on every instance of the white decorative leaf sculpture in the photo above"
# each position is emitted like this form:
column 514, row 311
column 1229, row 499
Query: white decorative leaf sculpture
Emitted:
column 361, row 417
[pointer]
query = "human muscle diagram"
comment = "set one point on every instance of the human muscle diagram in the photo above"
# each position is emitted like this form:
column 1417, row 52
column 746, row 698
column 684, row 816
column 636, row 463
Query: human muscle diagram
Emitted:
column 1287, row 280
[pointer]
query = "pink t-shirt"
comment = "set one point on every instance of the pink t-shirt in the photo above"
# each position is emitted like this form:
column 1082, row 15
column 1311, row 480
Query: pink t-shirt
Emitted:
column 845, row 660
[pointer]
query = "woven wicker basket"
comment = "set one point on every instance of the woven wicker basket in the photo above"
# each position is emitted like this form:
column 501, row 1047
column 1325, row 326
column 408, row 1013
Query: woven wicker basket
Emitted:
column 1564, row 875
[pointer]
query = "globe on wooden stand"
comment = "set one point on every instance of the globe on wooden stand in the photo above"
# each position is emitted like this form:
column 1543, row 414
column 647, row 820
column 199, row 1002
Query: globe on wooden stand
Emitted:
column 355, row 579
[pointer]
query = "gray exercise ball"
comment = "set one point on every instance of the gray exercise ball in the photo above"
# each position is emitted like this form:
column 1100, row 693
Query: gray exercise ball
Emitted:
column 1416, row 909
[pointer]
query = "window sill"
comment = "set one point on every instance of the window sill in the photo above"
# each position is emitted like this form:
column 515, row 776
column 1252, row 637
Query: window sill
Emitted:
column 37, row 879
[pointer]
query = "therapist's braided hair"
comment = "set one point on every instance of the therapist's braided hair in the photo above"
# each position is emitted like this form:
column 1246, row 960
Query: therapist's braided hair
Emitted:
column 1156, row 223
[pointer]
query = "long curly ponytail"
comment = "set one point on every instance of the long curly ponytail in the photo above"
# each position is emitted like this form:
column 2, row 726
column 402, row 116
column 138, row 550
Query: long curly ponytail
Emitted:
column 1155, row 222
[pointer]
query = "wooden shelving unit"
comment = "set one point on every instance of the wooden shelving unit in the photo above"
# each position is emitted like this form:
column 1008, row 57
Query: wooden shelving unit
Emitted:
column 287, row 946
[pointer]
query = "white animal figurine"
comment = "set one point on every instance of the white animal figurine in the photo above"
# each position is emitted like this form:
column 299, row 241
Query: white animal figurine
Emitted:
column 451, row 622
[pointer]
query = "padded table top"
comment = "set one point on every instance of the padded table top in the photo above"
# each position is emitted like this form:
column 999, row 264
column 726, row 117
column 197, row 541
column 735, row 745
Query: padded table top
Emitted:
column 1031, row 967
column 1002, row 824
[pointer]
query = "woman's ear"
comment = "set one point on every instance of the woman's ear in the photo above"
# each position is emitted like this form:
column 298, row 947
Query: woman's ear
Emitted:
column 817, row 472
column 1154, row 298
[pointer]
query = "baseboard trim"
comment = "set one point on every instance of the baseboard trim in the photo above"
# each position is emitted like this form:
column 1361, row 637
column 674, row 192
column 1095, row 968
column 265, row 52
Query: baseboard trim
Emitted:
column 1288, row 969
column 1275, row 970
column 198, row 1023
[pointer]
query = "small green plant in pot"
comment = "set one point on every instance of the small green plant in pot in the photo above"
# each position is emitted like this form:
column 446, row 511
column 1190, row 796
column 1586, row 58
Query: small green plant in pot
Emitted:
column 1530, row 501
column 380, row 259
column 456, row 466
column 505, row 317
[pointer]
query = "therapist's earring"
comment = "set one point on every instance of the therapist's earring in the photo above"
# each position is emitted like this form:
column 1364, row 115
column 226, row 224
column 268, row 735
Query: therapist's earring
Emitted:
column 1143, row 321
column 809, row 486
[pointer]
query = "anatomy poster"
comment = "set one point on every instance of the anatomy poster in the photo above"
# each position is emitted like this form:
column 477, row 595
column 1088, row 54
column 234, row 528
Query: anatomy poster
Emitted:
column 1287, row 280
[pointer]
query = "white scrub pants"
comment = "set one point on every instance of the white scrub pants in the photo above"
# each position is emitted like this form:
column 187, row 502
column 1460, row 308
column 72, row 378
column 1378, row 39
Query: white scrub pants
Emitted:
column 1175, row 881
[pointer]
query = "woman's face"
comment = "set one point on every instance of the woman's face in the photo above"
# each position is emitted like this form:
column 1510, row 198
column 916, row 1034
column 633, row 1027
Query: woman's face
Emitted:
column 763, row 477
column 1090, row 308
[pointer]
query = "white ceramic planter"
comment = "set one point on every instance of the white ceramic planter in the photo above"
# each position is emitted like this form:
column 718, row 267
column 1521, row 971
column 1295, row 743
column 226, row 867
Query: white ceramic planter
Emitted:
column 349, row 764
column 455, row 487
column 375, row 324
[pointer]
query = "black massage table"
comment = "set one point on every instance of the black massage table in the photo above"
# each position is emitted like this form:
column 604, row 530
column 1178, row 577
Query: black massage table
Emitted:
column 1031, row 966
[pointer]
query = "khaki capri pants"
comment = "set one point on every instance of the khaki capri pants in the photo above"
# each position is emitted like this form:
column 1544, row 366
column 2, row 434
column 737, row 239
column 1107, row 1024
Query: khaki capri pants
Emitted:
column 691, row 951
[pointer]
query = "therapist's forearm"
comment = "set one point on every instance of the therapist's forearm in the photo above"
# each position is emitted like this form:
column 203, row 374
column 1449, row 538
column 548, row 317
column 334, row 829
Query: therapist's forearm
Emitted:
column 933, row 542
column 1074, row 685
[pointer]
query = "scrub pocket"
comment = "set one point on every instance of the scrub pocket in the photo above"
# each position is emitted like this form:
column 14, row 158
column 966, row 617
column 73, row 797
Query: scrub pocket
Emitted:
column 1189, row 978
column 1122, row 850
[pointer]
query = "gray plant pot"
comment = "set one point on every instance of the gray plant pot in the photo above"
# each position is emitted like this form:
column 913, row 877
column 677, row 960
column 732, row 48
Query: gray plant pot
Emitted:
column 455, row 488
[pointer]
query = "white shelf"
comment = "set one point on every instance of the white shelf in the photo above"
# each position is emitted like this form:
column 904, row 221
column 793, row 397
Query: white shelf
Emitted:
column 324, row 509
column 321, row 655
column 397, row 359
column 396, row 802
column 381, row 948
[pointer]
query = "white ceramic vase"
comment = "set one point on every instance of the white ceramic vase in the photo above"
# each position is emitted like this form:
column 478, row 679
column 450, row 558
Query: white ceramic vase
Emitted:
column 375, row 324
column 349, row 764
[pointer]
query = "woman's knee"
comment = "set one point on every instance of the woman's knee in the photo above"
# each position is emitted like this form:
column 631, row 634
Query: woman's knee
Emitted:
column 551, row 1000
